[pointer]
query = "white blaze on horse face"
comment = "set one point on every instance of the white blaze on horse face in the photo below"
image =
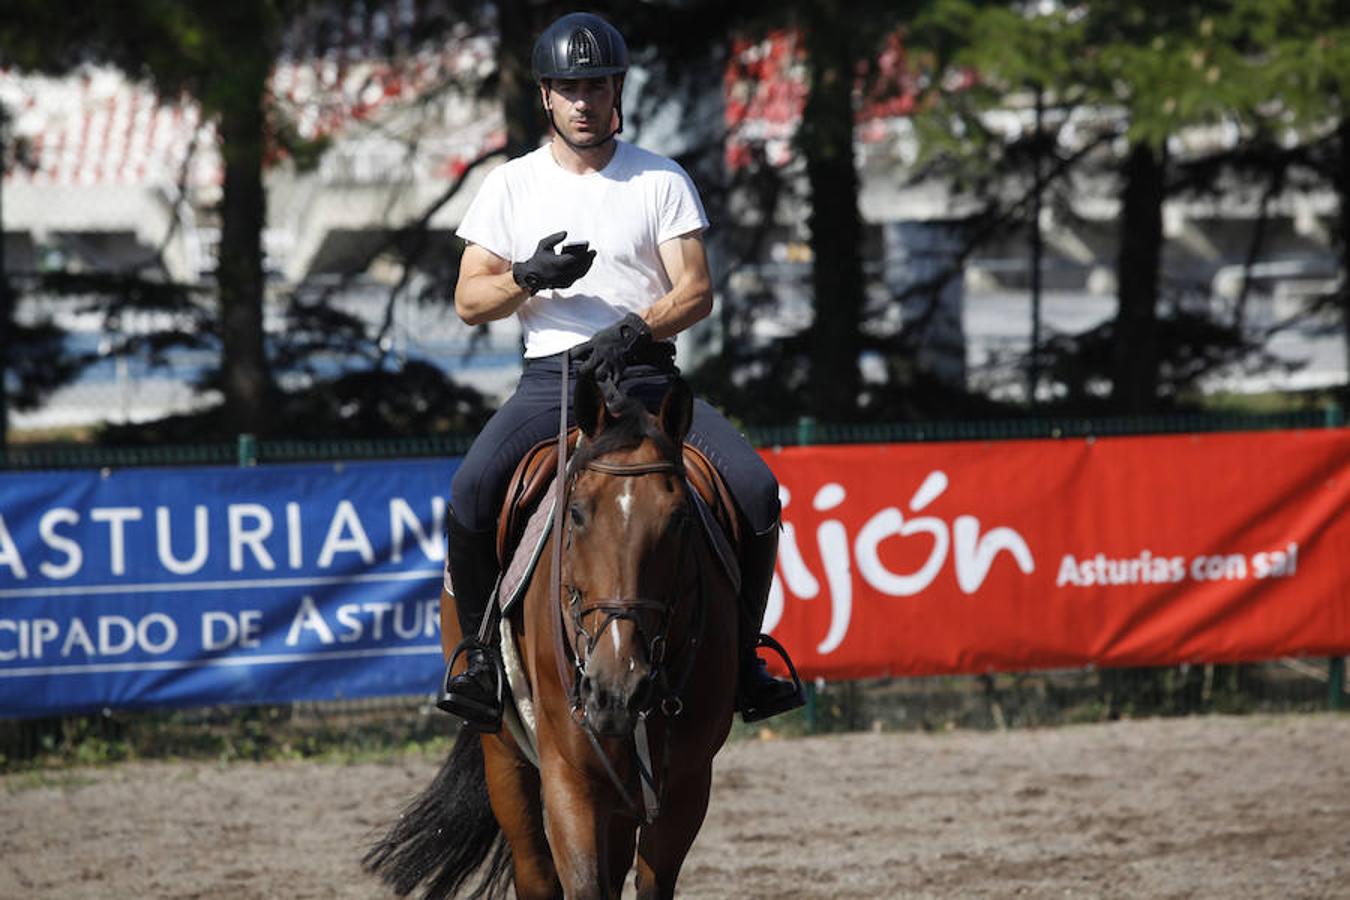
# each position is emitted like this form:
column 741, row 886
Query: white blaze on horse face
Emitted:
column 626, row 501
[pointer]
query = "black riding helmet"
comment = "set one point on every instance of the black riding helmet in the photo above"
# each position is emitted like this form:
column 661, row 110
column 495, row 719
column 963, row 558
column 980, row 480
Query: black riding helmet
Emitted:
column 582, row 45
column 579, row 45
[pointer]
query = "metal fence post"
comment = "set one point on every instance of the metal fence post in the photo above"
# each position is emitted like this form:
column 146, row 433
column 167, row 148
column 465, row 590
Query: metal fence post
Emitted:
column 1335, row 418
column 806, row 435
column 248, row 450
column 806, row 430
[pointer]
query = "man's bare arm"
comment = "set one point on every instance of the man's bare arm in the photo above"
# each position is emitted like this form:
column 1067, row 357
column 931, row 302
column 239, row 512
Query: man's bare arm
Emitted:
column 690, row 298
column 486, row 290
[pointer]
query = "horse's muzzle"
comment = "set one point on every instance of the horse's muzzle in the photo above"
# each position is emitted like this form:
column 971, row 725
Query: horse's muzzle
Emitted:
column 612, row 706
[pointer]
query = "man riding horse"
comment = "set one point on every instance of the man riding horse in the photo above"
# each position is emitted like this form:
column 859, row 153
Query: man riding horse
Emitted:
column 631, row 275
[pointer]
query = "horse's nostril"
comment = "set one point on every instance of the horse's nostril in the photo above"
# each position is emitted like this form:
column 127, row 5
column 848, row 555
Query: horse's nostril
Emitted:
column 641, row 696
column 596, row 693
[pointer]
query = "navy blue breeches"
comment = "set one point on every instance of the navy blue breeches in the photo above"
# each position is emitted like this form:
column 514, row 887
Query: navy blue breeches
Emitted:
column 531, row 416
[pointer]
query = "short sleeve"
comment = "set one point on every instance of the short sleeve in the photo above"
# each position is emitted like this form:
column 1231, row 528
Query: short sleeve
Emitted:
column 681, row 208
column 486, row 221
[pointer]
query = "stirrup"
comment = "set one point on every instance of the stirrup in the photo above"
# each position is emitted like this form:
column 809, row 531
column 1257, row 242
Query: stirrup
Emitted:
column 477, row 716
column 751, row 713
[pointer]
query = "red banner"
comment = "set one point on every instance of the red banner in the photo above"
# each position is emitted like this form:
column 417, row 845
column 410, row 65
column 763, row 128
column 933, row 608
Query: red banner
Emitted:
column 918, row 559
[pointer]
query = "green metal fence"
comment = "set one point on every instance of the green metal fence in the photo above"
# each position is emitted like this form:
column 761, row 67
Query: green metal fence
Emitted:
column 808, row 431
column 248, row 451
column 245, row 451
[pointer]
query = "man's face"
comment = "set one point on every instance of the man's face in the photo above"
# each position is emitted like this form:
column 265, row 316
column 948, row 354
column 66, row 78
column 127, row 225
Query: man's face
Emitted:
column 582, row 108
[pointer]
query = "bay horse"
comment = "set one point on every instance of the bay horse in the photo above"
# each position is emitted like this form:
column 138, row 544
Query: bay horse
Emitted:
column 629, row 648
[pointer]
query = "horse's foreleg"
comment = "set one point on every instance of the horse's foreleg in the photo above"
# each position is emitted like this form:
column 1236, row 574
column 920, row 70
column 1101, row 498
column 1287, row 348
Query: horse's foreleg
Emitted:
column 578, row 832
column 513, row 788
column 666, row 842
column 622, row 844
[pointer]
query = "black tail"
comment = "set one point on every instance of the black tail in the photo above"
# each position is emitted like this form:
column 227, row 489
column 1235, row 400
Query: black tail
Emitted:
column 447, row 834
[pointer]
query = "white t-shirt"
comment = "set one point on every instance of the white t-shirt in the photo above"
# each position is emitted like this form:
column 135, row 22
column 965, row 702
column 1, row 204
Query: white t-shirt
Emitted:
column 626, row 211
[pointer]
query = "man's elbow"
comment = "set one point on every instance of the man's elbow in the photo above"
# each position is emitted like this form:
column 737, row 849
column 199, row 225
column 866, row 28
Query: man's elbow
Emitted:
column 468, row 312
column 702, row 305
column 465, row 313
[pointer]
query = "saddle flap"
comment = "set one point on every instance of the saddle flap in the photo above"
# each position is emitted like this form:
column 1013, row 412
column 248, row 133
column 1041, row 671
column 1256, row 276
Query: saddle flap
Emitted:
column 532, row 478
column 708, row 483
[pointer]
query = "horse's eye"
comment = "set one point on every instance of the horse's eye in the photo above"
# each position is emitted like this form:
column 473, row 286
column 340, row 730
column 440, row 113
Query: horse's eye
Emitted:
column 578, row 515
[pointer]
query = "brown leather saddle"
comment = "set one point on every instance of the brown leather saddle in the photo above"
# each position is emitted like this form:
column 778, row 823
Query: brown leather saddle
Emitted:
column 534, row 474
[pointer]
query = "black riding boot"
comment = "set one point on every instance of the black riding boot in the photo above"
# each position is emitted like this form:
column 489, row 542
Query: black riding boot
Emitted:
column 475, row 695
column 760, row 695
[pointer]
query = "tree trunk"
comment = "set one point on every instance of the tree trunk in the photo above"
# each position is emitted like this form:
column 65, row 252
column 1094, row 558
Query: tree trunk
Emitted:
column 245, row 373
column 826, row 141
column 518, row 20
column 1343, row 199
column 6, row 310
column 1135, row 355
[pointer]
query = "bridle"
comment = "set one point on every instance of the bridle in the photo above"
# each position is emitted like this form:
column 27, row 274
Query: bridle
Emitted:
column 655, row 642
column 572, row 654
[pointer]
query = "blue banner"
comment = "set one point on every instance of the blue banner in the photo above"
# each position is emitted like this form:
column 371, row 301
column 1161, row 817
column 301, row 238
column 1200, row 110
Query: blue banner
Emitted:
column 151, row 587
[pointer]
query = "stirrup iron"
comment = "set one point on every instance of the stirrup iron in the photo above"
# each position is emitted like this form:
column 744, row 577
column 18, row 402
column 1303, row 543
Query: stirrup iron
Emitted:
column 753, row 713
column 475, row 715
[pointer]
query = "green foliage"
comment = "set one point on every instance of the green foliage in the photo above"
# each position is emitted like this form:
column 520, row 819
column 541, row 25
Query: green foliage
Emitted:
column 209, row 50
column 1003, row 47
column 1165, row 65
column 233, row 734
column 1145, row 71
column 1300, row 59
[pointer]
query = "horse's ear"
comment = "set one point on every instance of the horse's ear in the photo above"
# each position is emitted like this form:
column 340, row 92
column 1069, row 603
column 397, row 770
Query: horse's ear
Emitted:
column 677, row 410
column 588, row 405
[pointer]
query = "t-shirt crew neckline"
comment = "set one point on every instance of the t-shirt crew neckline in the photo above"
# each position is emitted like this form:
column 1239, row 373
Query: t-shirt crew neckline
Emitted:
column 613, row 161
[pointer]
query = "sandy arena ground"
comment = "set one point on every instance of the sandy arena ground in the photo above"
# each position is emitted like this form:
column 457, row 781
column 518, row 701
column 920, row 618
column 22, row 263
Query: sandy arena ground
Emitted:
column 1212, row 807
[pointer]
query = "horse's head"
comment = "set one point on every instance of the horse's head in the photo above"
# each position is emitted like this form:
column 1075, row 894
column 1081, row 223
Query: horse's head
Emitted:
column 628, row 533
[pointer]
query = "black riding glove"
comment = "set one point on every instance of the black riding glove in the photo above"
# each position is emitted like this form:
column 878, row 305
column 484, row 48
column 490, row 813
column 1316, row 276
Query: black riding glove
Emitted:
column 606, row 354
column 548, row 269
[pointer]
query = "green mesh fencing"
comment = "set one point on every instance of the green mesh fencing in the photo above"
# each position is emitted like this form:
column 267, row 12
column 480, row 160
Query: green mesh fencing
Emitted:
column 807, row 431
column 247, row 451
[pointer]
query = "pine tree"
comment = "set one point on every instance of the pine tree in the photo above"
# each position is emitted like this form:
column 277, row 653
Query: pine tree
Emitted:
column 1137, row 75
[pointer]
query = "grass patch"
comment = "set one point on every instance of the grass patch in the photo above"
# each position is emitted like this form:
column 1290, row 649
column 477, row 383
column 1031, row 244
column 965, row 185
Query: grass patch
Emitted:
column 338, row 733
column 32, row 780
